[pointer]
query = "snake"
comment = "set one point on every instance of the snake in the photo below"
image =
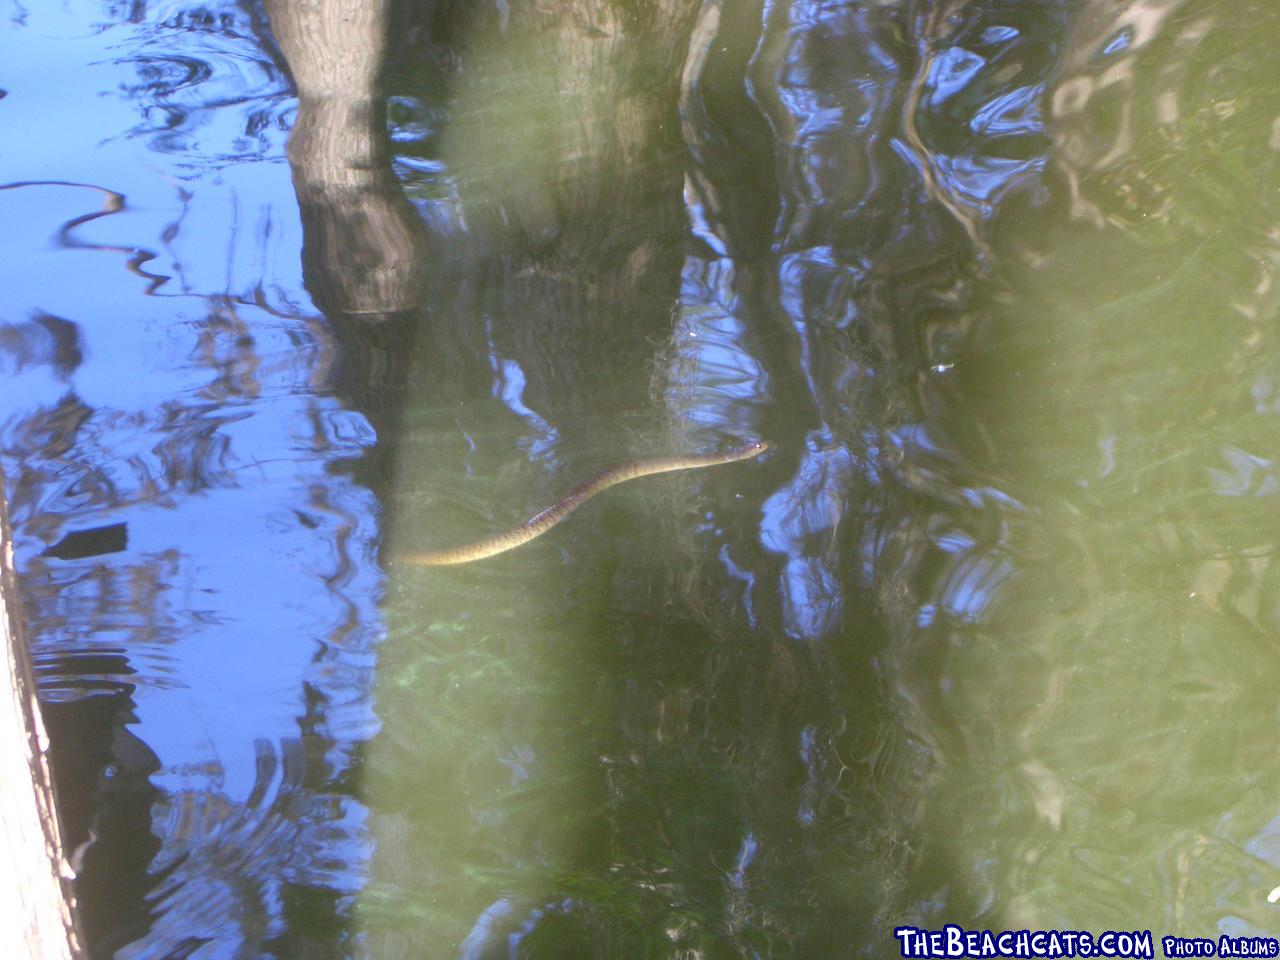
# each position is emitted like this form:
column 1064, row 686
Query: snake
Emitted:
column 544, row 520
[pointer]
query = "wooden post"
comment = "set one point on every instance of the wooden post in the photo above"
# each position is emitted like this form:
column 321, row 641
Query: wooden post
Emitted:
column 37, row 918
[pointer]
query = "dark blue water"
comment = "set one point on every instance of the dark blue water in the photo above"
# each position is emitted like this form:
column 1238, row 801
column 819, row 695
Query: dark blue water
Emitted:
column 988, row 637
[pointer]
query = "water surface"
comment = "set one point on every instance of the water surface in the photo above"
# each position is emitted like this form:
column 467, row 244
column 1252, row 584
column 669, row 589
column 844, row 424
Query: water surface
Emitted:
column 988, row 637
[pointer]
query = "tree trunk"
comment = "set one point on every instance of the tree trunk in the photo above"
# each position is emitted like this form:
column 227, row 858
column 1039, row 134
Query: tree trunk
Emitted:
column 36, row 908
column 364, row 245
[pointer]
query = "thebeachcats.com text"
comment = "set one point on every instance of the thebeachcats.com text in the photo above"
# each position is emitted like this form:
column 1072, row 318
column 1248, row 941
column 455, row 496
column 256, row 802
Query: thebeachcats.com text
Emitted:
column 953, row 942
column 956, row 942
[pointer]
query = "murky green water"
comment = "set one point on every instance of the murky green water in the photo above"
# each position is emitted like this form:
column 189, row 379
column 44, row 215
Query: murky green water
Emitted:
column 1000, row 647
column 989, row 636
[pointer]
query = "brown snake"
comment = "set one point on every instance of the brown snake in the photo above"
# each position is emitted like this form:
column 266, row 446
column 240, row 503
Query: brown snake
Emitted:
column 543, row 521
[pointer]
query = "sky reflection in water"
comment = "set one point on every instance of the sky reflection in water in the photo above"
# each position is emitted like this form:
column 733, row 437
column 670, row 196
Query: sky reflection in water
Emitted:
column 238, row 625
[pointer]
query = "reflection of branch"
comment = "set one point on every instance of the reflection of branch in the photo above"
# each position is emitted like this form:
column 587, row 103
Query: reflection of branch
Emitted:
column 1080, row 148
column 114, row 203
column 924, row 157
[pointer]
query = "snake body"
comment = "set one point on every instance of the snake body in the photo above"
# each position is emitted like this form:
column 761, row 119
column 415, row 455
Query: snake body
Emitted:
column 544, row 520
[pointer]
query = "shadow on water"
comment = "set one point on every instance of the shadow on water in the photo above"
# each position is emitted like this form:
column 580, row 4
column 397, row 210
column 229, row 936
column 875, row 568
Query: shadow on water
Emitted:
column 986, row 638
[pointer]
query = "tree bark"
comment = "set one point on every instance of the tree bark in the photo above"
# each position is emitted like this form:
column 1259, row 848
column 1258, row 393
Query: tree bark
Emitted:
column 364, row 245
column 37, row 916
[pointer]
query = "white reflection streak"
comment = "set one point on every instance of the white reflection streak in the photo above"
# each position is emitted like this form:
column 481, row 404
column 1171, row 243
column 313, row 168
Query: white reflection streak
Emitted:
column 1247, row 475
column 810, row 504
column 815, row 287
column 713, row 381
column 737, row 906
column 500, row 915
column 973, row 583
column 473, row 947
column 714, row 378
column 508, row 386
column 747, row 578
